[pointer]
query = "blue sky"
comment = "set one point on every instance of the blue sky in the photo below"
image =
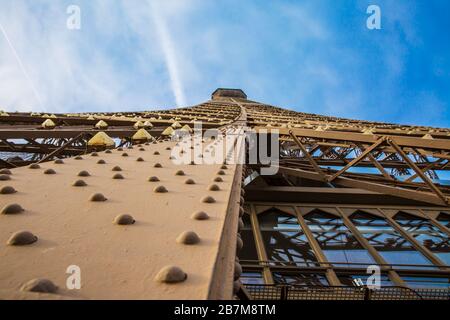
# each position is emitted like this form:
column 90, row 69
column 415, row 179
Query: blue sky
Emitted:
column 312, row 56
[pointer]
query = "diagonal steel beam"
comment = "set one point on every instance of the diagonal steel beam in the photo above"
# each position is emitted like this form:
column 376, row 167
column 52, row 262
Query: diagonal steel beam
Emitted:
column 419, row 172
column 358, row 159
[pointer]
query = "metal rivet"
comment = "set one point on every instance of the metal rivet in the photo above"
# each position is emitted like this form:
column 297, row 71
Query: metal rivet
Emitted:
column 7, row 190
column 49, row 171
column 160, row 189
column 124, row 219
column 213, row 187
column 157, row 165
column 124, row 154
column 153, row 179
column 200, row 215
column 108, row 151
column 188, row 237
column 171, row 274
column 140, row 159
column 78, row 158
column 239, row 244
column 189, row 181
column 101, row 161
column 218, row 179
column 5, row 171
column 40, row 285
column 120, row 149
column 98, row 197
column 118, row 176
column 79, row 183
column 237, row 271
column 130, row 147
column 117, row 168
column 83, row 173
column 224, row 167
column 59, row 161
column 94, row 154
column 168, row 148
column 34, row 166
column 221, row 173
column 13, row 208
column 4, row 177
column 156, row 153
column 22, row 238
column 141, row 149
column 180, row 173
column 240, row 224
column 208, row 199
column 192, row 163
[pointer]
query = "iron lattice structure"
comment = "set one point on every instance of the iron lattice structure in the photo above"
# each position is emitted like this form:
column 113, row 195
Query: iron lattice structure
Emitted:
column 347, row 195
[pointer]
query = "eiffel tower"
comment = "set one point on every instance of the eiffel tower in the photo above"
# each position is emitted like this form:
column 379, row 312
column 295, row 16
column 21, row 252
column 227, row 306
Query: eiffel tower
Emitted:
column 95, row 206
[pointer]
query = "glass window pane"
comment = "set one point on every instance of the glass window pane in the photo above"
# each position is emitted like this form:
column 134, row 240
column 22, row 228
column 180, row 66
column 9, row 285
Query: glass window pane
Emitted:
column 426, row 234
column 304, row 279
column 248, row 277
column 426, row 282
column 388, row 242
column 337, row 242
column 348, row 279
column 284, row 240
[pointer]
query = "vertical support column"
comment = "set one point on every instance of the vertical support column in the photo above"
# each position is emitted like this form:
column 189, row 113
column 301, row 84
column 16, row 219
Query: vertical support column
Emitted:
column 331, row 275
column 262, row 254
column 395, row 278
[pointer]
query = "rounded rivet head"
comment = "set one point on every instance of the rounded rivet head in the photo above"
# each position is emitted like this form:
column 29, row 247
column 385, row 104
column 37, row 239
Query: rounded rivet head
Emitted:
column 188, row 237
column 94, row 154
column 213, row 187
column 101, row 161
column 168, row 148
column 120, row 149
column 140, row 159
column 141, row 149
column 157, row 165
column 4, row 177
column 240, row 224
column 13, row 208
column 241, row 211
column 22, row 238
column 218, row 179
column 118, row 176
column 49, row 171
column 189, row 181
column 78, row 158
column 224, row 167
column 200, row 215
column 171, row 274
column 124, row 219
column 7, row 190
column 97, row 197
column 237, row 271
column 40, row 286
column 34, row 166
column 192, row 163
column 156, row 153
column 79, row 183
column 83, row 173
column 160, row 189
column 239, row 244
column 117, row 168
column 208, row 199
column 153, row 179
column 5, row 171
column 108, row 151
column 180, row 173
column 221, row 173
column 58, row 161
column 130, row 147
column 124, row 154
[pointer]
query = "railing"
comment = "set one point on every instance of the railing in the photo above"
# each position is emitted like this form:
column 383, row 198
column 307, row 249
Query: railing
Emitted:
column 298, row 292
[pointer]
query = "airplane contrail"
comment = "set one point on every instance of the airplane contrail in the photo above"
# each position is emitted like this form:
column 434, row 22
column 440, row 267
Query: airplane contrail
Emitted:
column 169, row 55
